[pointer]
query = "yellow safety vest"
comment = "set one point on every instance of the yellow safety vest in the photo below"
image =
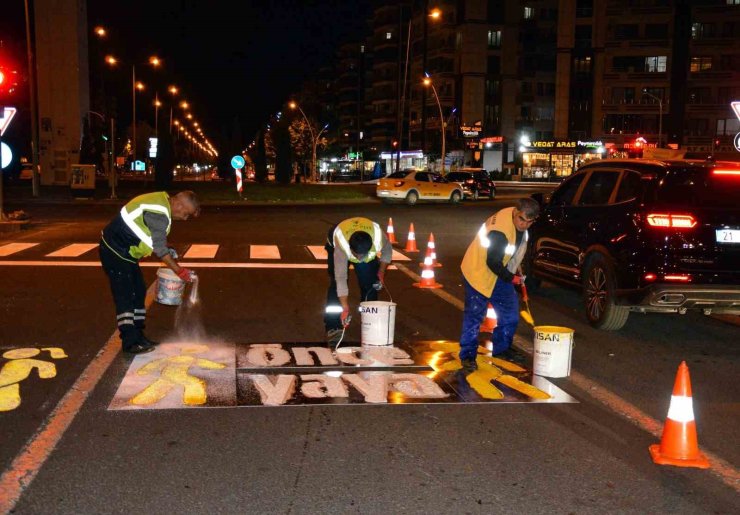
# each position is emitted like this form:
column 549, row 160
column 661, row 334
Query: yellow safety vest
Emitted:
column 133, row 216
column 474, row 266
column 348, row 227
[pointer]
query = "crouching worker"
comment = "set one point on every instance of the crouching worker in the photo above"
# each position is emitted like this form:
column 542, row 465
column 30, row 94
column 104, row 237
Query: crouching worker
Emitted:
column 489, row 270
column 359, row 241
column 139, row 229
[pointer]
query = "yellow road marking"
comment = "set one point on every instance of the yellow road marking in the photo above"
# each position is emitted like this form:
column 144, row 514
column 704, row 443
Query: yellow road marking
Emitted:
column 201, row 252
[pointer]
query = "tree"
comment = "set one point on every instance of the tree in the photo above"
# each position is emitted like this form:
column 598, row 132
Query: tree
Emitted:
column 259, row 158
column 283, row 154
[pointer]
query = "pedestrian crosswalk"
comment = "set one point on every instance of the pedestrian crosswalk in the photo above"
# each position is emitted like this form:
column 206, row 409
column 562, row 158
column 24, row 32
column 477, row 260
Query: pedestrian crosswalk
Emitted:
column 196, row 251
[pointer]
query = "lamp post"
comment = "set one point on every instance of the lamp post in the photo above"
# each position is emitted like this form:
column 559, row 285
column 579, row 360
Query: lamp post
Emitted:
column 660, row 115
column 173, row 91
column 428, row 82
column 314, row 139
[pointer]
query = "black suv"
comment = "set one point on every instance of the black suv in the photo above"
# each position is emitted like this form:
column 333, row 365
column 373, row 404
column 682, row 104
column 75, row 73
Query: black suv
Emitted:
column 475, row 183
column 645, row 236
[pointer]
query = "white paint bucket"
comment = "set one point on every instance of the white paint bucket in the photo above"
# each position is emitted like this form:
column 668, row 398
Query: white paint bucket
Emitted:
column 169, row 287
column 378, row 322
column 553, row 348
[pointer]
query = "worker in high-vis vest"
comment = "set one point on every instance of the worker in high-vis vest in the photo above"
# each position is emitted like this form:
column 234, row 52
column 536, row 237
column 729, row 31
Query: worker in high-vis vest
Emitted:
column 137, row 231
column 363, row 243
column 489, row 268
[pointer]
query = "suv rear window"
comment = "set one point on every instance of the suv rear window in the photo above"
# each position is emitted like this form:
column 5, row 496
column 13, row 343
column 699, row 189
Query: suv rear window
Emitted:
column 698, row 187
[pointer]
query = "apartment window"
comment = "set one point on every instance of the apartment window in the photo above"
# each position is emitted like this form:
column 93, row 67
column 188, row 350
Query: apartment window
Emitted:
column 388, row 35
column 583, row 36
column 699, row 96
column 626, row 31
column 496, row 11
column 703, row 30
column 527, row 88
column 733, row 2
column 526, row 112
column 729, row 62
column 656, row 31
column 655, row 92
column 627, row 63
column 623, row 95
column 729, row 29
column 545, row 113
column 584, row 8
column 656, row 64
column 494, row 39
column 494, row 65
column 582, row 65
column 728, row 127
column 493, row 87
column 700, row 64
column 528, row 13
column 698, row 126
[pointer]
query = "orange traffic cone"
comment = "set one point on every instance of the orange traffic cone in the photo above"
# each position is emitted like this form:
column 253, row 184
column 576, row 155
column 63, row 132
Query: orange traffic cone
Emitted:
column 489, row 323
column 391, row 232
column 679, row 445
column 427, row 278
column 411, row 241
column 431, row 255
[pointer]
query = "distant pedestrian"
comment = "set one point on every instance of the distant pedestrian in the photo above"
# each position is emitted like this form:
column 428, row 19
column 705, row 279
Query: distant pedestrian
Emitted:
column 489, row 270
column 363, row 243
column 139, row 229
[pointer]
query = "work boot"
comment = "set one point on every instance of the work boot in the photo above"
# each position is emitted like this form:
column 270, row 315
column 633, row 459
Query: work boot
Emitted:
column 147, row 341
column 511, row 355
column 469, row 365
column 138, row 348
column 333, row 336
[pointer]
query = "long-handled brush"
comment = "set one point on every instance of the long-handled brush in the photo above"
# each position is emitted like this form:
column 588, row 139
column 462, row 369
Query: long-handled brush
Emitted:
column 526, row 315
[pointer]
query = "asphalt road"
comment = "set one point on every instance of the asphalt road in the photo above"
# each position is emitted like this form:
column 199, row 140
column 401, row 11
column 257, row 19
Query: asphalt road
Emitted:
column 466, row 458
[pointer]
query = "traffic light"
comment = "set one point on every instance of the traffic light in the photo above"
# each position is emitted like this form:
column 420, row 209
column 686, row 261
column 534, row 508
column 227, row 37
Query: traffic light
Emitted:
column 8, row 81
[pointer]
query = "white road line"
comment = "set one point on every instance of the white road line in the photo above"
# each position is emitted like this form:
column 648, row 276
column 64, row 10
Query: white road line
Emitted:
column 12, row 248
column 264, row 252
column 73, row 250
column 724, row 470
column 318, row 251
column 201, row 252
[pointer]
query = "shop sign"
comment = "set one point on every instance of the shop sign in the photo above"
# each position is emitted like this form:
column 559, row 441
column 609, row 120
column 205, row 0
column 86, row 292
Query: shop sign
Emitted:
column 553, row 144
column 471, row 131
column 492, row 139
column 590, row 144
column 472, row 144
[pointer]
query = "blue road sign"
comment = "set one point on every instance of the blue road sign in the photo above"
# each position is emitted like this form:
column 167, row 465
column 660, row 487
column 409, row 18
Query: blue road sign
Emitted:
column 237, row 162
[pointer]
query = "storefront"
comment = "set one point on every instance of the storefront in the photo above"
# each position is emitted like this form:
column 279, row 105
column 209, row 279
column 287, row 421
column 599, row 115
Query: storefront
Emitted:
column 408, row 159
column 554, row 160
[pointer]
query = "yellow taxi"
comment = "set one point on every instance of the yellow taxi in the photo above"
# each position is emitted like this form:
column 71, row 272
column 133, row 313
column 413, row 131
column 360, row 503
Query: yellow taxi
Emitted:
column 412, row 186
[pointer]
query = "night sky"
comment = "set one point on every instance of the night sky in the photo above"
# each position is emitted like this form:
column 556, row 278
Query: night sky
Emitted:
column 233, row 59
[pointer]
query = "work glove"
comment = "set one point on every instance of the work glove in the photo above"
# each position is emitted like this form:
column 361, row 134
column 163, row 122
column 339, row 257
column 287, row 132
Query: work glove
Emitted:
column 378, row 285
column 173, row 253
column 186, row 275
column 345, row 317
column 517, row 280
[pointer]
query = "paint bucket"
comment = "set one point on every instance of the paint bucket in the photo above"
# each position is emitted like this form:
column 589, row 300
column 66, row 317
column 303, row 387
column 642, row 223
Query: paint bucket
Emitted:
column 169, row 287
column 378, row 322
column 553, row 348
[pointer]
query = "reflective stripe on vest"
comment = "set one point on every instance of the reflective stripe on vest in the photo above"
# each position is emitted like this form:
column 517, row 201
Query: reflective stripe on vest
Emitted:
column 130, row 220
column 344, row 244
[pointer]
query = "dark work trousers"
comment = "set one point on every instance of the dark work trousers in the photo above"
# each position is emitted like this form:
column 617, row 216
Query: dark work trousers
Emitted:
column 367, row 275
column 506, row 304
column 129, row 292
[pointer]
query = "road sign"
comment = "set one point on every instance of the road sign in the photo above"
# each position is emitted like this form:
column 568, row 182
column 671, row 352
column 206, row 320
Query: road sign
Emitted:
column 737, row 141
column 237, row 162
column 7, row 115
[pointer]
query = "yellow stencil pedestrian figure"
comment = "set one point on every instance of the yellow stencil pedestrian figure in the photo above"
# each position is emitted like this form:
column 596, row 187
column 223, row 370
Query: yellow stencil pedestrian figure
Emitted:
column 19, row 368
column 173, row 372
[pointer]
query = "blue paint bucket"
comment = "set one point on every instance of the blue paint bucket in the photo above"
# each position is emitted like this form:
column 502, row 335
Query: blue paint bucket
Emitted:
column 169, row 287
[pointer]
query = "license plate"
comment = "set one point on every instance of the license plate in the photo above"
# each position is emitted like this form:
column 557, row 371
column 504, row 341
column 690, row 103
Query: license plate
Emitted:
column 728, row 235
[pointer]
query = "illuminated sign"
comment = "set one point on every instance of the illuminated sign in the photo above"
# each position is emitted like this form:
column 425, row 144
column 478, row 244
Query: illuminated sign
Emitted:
column 553, row 144
column 590, row 144
column 471, row 131
column 414, row 154
column 492, row 139
column 6, row 155
column 152, row 147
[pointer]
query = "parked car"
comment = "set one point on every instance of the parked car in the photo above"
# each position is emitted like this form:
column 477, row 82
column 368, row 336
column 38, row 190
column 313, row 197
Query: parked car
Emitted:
column 475, row 183
column 642, row 235
column 413, row 186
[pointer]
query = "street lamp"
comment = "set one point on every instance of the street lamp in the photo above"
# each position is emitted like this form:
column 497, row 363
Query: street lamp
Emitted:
column 314, row 139
column 428, row 82
column 660, row 116
column 172, row 91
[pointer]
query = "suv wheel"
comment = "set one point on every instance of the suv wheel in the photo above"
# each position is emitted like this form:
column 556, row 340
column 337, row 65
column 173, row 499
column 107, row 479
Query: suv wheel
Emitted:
column 455, row 197
column 493, row 193
column 411, row 198
column 599, row 295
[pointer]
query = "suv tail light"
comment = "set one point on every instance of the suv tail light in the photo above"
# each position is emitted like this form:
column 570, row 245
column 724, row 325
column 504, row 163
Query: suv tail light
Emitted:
column 679, row 278
column 671, row 221
column 724, row 172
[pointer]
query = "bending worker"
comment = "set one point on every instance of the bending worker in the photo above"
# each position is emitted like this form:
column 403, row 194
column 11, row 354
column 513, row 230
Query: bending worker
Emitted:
column 139, row 229
column 489, row 270
column 362, row 242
